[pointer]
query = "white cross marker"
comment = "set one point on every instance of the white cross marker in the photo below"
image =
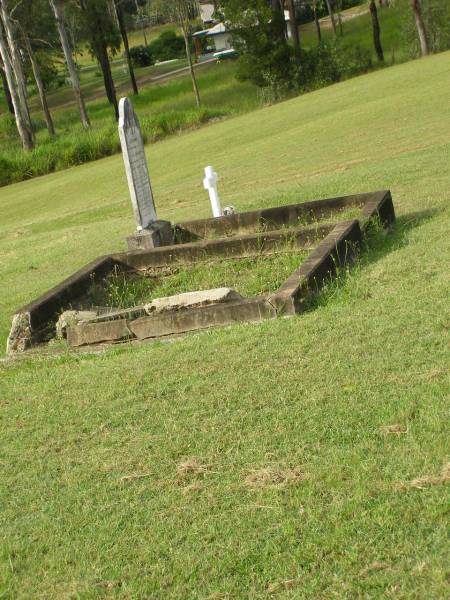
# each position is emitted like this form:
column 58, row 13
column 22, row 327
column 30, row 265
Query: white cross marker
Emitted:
column 210, row 184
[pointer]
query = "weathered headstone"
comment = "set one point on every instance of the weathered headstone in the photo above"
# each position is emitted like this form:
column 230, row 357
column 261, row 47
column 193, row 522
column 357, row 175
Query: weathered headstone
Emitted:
column 151, row 232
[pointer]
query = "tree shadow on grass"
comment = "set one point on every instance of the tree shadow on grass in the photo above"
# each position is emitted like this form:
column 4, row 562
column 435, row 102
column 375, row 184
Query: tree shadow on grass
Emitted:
column 377, row 244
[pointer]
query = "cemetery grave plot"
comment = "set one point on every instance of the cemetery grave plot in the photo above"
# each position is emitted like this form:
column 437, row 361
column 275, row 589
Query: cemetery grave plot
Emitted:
column 273, row 263
column 193, row 275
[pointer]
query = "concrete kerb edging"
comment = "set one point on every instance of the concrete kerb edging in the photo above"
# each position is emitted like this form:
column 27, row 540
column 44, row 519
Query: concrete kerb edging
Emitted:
column 32, row 321
column 270, row 217
column 203, row 250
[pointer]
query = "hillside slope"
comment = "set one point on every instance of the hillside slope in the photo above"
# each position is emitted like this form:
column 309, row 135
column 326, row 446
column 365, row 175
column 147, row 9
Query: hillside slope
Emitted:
column 303, row 457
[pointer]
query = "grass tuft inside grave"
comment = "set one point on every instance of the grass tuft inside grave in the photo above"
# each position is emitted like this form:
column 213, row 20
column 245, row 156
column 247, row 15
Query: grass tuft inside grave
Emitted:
column 250, row 276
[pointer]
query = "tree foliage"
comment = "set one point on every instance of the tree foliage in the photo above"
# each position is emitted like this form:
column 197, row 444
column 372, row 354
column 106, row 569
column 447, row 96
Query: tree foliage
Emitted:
column 258, row 34
column 436, row 22
column 167, row 46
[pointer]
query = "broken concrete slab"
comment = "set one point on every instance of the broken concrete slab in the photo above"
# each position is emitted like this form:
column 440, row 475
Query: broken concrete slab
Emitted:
column 20, row 335
column 191, row 299
column 72, row 317
column 177, row 322
column 95, row 333
column 124, row 313
column 171, row 322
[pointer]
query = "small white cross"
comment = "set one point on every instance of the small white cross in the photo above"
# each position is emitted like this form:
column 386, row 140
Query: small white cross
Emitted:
column 210, row 184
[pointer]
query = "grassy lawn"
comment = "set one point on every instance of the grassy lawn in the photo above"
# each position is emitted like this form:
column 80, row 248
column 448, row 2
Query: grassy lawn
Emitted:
column 298, row 458
column 166, row 107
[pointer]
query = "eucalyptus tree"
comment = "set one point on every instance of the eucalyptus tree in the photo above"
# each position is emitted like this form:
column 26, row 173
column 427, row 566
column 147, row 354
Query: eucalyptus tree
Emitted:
column 103, row 37
column 120, row 7
column 182, row 12
column 332, row 16
column 420, row 26
column 258, row 28
column 295, row 35
column 11, row 38
column 6, row 91
column 316, row 20
column 376, row 30
column 35, row 23
column 23, row 126
column 71, row 66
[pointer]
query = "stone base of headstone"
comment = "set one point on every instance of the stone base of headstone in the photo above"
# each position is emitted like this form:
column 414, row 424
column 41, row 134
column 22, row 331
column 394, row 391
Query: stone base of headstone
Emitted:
column 159, row 233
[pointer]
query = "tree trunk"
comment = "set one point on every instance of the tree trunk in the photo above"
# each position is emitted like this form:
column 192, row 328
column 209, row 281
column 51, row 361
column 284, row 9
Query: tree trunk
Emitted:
column 331, row 13
column 376, row 31
column 103, row 59
column 16, row 62
column 40, row 86
column 278, row 21
column 123, row 33
column 420, row 25
column 294, row 30
column 6, row 91
column 100, row 48
column 191, row 66
column 316, row 21
column 25, row 133
column 70, row 63
column 341, row 29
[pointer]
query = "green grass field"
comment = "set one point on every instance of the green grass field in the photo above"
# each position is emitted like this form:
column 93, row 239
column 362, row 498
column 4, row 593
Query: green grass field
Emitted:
column 297, row 458
column 167, row 106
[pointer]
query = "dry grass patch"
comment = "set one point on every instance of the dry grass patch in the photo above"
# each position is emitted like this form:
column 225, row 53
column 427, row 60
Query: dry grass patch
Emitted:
column 270, row 476
column 397, row 428
column 375, row 566
column 425, row 481
column 191, row 466
column 287, row 584
column 196, row 486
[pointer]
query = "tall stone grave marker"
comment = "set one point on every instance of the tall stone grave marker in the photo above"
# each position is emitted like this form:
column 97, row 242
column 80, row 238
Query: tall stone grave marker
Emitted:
column 151, row 232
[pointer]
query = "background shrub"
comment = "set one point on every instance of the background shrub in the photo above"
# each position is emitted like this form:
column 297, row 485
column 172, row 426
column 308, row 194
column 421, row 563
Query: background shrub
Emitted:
column 141, row 56
column 167, row 46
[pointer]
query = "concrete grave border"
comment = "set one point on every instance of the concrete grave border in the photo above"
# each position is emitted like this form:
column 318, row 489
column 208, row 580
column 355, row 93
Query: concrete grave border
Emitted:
column 255, row 232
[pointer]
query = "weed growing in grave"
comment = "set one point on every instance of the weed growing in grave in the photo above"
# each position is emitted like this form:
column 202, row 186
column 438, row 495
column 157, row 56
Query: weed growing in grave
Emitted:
column 119, row 289
column 308, row 219
column 251, row 276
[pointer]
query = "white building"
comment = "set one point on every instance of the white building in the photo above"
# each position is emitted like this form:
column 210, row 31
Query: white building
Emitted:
column 217, row 37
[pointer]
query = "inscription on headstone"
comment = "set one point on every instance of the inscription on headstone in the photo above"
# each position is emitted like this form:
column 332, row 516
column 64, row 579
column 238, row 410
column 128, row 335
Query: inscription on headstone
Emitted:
column 136, row 166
